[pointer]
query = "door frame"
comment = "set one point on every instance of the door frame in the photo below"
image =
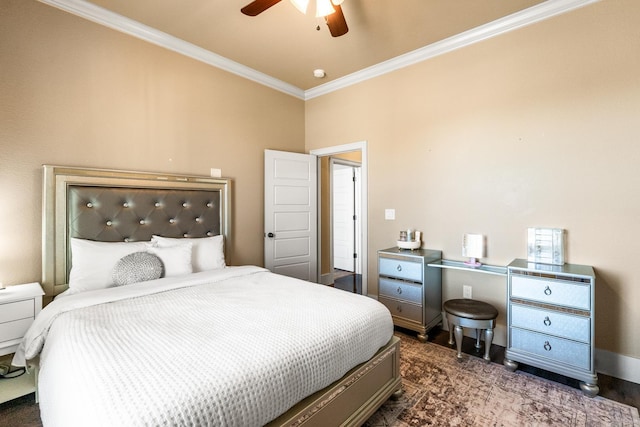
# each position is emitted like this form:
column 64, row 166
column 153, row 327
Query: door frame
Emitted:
column 364, row 238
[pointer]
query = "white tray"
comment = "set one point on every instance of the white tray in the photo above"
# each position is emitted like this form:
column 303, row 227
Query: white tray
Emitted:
column 413, row 244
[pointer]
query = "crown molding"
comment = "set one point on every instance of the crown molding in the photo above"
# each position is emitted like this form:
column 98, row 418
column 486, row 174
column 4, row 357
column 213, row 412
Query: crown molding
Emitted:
column 128, row 26
column 500, row 26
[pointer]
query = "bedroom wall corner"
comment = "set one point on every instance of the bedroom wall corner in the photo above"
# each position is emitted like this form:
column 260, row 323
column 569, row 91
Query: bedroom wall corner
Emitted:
column 75, row 93
column 534, row 128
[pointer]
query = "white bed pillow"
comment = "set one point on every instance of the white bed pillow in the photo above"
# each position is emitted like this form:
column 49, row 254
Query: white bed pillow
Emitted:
column 92, row 263
column 208, row 252
column 176, row 258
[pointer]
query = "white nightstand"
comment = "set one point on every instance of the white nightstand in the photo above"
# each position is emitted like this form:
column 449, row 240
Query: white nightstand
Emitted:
column 19, row 305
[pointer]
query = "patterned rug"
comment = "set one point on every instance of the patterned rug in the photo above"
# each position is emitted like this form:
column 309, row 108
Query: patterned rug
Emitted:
column 439, row 391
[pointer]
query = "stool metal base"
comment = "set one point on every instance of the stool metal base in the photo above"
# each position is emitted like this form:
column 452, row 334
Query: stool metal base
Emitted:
column 456, row 325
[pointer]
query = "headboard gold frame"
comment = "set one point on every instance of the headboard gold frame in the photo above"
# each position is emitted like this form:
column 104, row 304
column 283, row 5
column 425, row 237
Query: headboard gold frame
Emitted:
column 61, row 181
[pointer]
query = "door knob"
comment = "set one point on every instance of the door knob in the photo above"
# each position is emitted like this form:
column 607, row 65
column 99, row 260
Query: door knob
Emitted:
column 271, row 235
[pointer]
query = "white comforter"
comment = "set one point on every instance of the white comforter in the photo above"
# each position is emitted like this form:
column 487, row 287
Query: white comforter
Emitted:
column 231, row 347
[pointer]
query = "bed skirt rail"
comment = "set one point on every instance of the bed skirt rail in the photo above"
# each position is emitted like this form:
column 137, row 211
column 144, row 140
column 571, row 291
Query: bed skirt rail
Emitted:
column 351, row 400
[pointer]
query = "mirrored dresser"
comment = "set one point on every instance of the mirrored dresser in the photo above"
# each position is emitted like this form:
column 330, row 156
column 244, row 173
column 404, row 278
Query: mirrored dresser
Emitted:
column 551, row 320
column 410, row 289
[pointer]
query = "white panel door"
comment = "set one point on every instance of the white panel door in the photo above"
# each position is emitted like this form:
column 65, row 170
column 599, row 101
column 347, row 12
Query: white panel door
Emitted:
column 290, row 214
column 343, row 211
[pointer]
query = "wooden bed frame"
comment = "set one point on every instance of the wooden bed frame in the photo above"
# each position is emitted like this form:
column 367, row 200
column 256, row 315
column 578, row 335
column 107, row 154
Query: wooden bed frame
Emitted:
column 99, row 204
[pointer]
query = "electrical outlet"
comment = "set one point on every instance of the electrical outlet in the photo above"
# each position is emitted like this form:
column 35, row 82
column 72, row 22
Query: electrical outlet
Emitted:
column 466, row 291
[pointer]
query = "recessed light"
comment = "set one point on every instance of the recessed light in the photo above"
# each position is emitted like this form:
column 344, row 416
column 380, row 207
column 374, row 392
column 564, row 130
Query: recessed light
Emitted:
column 319, row 73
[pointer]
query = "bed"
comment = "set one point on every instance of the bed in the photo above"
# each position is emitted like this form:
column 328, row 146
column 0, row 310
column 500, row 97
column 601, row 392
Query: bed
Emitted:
column 150, row 325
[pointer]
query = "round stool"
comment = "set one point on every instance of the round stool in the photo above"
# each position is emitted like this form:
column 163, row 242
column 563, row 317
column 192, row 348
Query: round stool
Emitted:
column 470, row 313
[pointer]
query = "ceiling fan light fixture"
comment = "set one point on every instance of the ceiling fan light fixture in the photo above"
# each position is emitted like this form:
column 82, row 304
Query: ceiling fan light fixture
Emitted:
column 301, row 5
column 324, row 8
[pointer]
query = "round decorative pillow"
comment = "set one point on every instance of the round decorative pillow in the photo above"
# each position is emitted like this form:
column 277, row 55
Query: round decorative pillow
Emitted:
column 137, row 267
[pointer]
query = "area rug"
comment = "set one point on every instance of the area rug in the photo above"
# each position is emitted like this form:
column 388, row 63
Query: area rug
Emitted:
column 439, row 391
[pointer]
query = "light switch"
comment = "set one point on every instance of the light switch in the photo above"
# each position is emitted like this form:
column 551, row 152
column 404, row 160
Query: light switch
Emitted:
column 216, row 173
column 389, row 214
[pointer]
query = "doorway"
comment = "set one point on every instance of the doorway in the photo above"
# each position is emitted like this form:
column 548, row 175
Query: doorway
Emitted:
column 325, row 240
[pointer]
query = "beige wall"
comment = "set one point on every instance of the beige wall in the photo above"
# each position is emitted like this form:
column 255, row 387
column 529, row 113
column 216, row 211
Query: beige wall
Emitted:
column 534, row 128
column 75, row 93
column 538, row 127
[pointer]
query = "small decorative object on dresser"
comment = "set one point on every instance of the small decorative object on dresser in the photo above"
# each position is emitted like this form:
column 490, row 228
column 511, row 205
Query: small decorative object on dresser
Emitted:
column 545, row 245
column 410, row 239
column 551, row 319
column 19, row 305
column 474, row 246
column 411, row 290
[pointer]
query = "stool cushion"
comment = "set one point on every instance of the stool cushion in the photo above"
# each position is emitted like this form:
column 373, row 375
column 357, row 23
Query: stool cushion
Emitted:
column 470, row 309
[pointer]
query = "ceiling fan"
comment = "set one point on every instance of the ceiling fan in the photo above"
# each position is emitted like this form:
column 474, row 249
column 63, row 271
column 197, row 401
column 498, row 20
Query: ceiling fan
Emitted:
column 329, row 9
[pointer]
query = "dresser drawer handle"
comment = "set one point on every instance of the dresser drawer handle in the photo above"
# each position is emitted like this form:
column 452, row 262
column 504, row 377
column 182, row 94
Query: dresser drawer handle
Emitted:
column 399, row 267
column 547, row 321
column 547, row 346
column 399, row 290
column 547, row 291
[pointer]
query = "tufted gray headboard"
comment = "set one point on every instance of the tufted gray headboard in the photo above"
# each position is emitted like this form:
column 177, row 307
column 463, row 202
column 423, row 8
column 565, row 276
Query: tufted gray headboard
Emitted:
column 112, row 206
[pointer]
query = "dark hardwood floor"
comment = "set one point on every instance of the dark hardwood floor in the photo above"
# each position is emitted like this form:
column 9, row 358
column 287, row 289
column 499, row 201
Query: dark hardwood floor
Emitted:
column 20, row 412
column 347, row 281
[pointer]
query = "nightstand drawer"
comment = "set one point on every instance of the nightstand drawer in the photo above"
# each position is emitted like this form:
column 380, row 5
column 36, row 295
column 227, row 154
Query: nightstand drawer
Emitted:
column 14, row 330
column 548, row 291
column 551, row 322
column 401, row 290
column 557, row 349
column 17, row 310
column 401, row 269
column 403, row 309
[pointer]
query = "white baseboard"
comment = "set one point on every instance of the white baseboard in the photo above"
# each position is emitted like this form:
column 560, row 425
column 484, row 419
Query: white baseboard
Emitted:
column 617, row 365
column 325, row 279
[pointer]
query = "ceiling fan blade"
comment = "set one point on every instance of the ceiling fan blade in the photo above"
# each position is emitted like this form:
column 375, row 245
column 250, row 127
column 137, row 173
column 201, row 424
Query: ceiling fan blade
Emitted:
column 258, row 6
column 336, row 22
